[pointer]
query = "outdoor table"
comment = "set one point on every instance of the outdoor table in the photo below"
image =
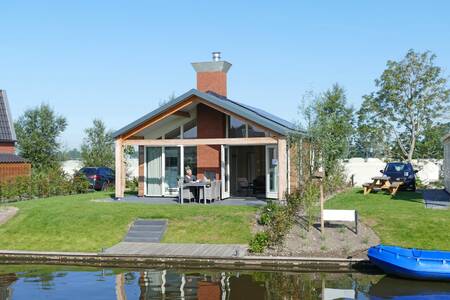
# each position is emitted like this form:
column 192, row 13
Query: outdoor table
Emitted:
column 198, row 185
column 381, row 182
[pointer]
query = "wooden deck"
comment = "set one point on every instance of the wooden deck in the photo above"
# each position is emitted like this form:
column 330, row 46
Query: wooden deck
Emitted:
column 177, row 250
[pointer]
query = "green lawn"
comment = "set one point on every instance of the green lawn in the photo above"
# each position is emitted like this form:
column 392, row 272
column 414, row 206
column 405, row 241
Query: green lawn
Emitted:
column 75, row 223
column 401, row 220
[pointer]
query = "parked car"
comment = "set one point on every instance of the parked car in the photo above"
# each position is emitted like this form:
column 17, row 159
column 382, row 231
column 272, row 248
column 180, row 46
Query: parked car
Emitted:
column 398, row 171
column 100, row 178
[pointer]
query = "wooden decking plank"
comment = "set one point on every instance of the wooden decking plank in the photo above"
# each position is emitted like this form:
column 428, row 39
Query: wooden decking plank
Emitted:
column 187, row 250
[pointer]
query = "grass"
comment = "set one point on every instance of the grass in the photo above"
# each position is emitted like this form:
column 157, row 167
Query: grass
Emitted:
column 401, row 220
column 75, row 223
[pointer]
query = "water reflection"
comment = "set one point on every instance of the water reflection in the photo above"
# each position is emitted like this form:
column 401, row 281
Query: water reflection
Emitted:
column 43, row 282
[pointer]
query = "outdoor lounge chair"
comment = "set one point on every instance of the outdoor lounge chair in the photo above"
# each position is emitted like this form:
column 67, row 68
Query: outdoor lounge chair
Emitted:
column 184, row 192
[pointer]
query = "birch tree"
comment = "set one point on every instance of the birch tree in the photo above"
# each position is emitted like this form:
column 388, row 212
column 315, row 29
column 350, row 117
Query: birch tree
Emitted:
column 411, row 94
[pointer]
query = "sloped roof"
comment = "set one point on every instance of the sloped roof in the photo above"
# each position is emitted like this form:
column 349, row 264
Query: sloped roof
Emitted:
column 7, row 132
column 11, row 158
column 256, row 115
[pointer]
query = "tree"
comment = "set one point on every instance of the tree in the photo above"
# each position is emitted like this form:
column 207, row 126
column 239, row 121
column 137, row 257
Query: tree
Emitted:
column 368, row 140
column 37, row 133
column 73, row 154
column 98, row 146
column 430, row 143
column 329, row 124
column 411, row 96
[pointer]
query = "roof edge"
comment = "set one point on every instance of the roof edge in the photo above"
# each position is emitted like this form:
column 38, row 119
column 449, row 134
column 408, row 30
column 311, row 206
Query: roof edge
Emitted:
column 263, row 120
column 9, row 115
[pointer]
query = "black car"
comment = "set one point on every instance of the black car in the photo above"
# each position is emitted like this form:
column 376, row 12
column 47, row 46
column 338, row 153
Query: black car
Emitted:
column 398, row 171
column 100, row 178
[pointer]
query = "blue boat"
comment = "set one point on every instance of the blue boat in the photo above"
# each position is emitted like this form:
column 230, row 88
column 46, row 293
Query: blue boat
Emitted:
column 411, row 263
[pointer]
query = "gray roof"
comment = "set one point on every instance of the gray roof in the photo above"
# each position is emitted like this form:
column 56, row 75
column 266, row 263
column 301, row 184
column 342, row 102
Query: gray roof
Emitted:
column 11, row 158
column 7, row 132
column 256, row 115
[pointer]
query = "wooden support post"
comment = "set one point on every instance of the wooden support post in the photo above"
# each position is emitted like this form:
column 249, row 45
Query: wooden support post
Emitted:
column 322, row 222
column 282, row 169
column 120, row 174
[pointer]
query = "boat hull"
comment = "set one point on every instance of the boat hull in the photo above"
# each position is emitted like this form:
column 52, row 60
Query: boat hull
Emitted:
column 411, row 263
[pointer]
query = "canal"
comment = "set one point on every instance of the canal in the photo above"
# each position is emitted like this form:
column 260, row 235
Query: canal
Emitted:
column 65, row 282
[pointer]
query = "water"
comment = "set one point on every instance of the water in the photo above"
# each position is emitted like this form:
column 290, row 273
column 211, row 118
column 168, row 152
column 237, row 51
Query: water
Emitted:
column 48, row 282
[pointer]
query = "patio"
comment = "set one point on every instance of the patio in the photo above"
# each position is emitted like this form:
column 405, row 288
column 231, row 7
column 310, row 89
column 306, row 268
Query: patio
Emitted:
column 233, row 201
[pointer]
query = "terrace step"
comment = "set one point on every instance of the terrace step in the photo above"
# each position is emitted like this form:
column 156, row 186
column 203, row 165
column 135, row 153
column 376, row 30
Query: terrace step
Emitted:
column 142, row 240
column 146, row 231
column 144, row 234
column 147, row 227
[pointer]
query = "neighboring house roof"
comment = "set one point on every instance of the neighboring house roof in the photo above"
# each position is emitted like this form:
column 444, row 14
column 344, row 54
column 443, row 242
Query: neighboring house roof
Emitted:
column 11, row 158
column 7, row 133
column 256, row 115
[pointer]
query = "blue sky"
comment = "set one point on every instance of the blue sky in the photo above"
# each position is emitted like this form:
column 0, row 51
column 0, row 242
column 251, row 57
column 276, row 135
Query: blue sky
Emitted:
column 115, row 60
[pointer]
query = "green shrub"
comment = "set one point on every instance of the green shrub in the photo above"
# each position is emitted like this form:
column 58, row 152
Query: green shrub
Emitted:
column 267, row 213
column 280, row 225
column 259, row 242
column 42, row 184
column 132, row 184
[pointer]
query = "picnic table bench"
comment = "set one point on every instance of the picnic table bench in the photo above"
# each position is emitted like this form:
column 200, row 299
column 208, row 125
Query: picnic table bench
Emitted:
column 382, row 183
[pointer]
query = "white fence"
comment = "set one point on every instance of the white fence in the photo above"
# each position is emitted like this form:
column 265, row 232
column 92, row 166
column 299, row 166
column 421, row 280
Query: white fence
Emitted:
column 71, row 166
column 364, row 169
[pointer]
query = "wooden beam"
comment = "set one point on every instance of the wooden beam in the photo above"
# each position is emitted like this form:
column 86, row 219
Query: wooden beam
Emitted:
column 136, row 137
column 158, row 118
column 282, row 169
column 120, row 173
column 195, row 142
column 182, row 114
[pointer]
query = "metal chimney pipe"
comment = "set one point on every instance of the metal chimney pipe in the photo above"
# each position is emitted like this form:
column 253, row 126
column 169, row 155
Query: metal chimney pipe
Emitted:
column 216, row 56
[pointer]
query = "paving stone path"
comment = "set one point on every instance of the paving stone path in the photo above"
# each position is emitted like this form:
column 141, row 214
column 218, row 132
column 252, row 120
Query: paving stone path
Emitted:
column 146, row 231
column 436, row 199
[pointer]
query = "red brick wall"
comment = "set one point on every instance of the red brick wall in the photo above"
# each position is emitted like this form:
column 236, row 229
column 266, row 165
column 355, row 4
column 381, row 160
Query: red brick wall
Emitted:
column 212, row 81
column 210, row 124
column 7, row 147
column 141, row 171
column 10, row 170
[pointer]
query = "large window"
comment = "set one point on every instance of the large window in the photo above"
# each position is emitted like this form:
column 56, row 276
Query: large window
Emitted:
column 174, row 134
column 255, row 132
column 236, row 128
column 190, row 130
column 190, row 159
column 239, row 129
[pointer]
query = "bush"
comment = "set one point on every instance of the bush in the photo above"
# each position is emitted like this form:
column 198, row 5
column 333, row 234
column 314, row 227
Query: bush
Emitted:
column 259, row 242
column 132, row 184
column 267, row 213
column 52, row 182
column 279, row 226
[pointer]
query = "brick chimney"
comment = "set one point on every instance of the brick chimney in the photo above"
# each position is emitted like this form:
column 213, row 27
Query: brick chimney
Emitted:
column 212, row 75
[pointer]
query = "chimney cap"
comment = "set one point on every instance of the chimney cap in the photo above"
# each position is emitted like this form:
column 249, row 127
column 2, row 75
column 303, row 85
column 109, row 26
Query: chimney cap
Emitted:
column 216, row 56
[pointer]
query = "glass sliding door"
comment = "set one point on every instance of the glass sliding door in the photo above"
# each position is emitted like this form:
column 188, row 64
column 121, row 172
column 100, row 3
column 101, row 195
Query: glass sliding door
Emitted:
column 154, row 171
column 172, row 169
column 272, row 172
column 225, row 170
column 190, row 159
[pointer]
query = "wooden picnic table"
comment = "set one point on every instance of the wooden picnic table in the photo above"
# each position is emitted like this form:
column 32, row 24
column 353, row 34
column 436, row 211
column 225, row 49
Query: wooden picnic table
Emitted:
column 382, row 183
